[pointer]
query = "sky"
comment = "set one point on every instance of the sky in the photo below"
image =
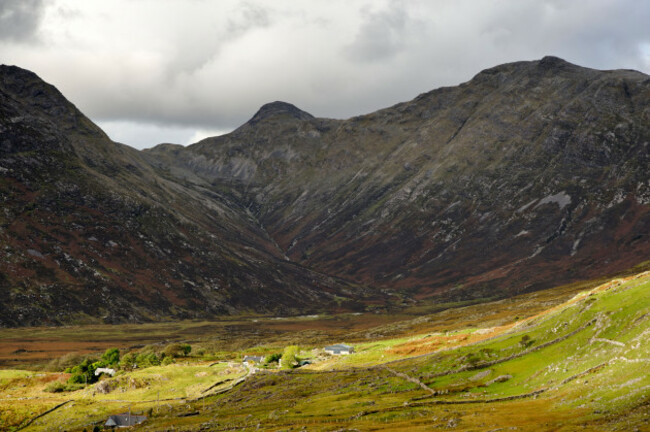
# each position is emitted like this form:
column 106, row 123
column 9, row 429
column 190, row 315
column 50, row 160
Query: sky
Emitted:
column 154, row 71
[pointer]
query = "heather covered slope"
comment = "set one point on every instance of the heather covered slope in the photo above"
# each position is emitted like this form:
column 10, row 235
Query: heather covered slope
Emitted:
column 529, row 175
column 89, row 230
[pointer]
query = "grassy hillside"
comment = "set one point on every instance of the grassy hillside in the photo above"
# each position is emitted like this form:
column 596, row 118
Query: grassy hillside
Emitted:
column 579, row 364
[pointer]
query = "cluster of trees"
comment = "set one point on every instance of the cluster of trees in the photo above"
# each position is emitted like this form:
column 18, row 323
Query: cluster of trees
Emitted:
column 84, row 372
column 147, row 359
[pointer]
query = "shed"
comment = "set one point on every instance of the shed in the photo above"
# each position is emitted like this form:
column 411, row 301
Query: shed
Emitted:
column 124, row 420
column 339, row 349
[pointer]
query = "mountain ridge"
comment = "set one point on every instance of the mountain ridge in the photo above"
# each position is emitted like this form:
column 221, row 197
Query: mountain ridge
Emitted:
column 582, row 153
column 529, row 175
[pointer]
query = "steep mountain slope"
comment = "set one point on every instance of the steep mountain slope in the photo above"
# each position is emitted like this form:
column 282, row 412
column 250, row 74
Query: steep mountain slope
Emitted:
column 89, row 229
column 529, row 175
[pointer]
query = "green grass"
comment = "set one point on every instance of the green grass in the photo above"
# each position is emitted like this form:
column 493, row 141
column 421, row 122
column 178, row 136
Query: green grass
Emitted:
column 605, row 327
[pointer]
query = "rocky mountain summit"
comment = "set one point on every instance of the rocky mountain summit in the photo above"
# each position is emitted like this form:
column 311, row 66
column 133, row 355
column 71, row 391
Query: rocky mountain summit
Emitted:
column 529, row 175
column 89, row 230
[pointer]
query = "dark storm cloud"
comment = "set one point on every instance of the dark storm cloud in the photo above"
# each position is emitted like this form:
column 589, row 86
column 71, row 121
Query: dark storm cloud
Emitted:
column 20, row 19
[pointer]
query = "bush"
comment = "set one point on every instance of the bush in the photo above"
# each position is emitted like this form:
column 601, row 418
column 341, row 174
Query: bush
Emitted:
column 127, row 361
column 73, row 387
column 111, row 357
column 58, row 387
column 55, row 387
column 273, row 358
column 526, row 341
column 147, row 359
column 84, row 373
column 473, row 359
column 62, row 363
column 289, row 358
column 177, row 350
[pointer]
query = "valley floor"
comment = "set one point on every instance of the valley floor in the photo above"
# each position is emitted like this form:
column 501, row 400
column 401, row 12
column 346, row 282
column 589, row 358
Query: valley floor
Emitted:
column 573, row 358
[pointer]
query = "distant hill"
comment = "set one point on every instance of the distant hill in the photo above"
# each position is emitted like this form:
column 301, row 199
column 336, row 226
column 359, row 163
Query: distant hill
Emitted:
column 530, row 175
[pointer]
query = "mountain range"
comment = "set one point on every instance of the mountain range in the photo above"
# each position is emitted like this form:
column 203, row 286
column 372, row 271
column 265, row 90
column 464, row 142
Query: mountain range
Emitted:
column 530, row 175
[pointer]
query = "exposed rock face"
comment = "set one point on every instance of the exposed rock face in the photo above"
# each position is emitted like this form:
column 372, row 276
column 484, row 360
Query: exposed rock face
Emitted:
column 89, row 229
column 529, row 175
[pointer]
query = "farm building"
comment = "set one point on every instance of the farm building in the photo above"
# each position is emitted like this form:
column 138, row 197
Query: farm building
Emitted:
column 107, row 371
column 339, row 349
column 253, row 359
column 124, row 420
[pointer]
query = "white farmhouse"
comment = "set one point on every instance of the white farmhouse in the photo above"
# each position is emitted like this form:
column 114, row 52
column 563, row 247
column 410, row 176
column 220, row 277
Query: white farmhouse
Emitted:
column 339, row 349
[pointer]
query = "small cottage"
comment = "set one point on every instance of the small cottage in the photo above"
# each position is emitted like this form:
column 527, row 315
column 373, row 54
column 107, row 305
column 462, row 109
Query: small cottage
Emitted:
column 124, row 420
column 339, row 349
column 253, row 359
column 107, row 371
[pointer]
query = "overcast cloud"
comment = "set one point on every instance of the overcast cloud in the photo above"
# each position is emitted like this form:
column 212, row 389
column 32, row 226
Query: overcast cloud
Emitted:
column 151, row 71
column 19, row 19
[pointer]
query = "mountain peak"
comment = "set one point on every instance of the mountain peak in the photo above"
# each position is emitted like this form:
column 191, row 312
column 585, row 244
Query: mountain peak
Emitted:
column 22, row 82
column 14, row 70
column 555, row 63
column 278, row 108
column 40, row 96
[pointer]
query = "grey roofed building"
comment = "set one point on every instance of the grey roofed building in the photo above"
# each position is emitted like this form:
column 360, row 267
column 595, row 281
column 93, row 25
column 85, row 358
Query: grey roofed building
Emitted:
column 254, row 359
column 108, row 371
column 339, row 349
column 124, row 420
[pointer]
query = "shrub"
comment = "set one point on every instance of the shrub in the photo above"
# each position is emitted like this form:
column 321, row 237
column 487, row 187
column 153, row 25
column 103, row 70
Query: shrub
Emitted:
column 73, row 387
column 62, row 363
column 526, row 341
column 55, row 387
column 147, row 359
column 84, row 373
column 127, row 361
column 111, row 357
column 273, row 358
column 58, row 387
column 177, row 350
column 289, row 358
column 472, row 359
